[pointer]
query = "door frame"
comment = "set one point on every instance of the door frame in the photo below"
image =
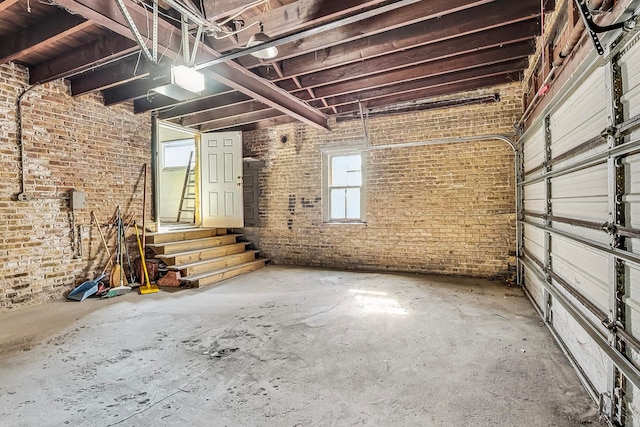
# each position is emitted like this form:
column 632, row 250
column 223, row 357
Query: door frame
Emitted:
column 156, row 166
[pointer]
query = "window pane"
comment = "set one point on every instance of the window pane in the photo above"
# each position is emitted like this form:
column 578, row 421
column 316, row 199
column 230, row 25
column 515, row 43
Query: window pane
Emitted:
column 353, row 203
column 176, row 155
column 338, row 204
column 345, row 170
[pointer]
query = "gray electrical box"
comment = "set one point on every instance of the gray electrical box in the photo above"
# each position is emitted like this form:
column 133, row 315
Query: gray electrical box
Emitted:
column 78, row 200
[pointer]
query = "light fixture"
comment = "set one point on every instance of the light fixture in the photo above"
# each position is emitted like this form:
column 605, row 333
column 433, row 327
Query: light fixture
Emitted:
column 260, row 38
column 187, row 78
column 181, row 84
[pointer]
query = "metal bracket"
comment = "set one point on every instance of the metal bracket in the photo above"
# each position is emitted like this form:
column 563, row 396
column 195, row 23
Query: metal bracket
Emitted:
column 594, row 29
column 134, row 29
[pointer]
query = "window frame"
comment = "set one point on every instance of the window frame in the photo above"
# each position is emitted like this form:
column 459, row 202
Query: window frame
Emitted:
column 327, row 159
column 176, row 143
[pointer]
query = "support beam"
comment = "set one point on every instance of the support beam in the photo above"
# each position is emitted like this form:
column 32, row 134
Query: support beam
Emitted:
column 430, row 82
column 202, row 105
column 92, row 54
column 425, row 33
column 142, row 87
column 287, row 19
column 447, row 65
column 494, row 38
column 45, row 32
column 121, row 72
column 432, row 92
column 239, row 120
column 221, row 113
column 6, row 4
column 230, row 73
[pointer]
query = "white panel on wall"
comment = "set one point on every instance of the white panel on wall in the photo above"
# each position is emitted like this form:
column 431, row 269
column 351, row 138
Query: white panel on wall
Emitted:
column 585, row 269
column 581, row 195
column 632, row 190
column 632, row 299
column 582, row 116
column 534, row 197
column 534, row 149
column 592, row 360
column 534, row 287
column 630, row 67
column 534, row 241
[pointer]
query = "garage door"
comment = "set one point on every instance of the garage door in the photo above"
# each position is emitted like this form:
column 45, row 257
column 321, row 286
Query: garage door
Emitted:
column 580, row 228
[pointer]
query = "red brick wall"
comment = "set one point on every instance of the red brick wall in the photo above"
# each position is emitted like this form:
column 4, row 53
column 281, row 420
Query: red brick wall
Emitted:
column 71, row 143
column 446, row 209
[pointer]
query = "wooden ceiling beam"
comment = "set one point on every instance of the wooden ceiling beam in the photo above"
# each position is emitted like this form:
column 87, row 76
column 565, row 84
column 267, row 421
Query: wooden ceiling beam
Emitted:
column 142, row 87
column 202, row 105
column 282, row 120
column 496, row 37
column 447, row 65
column 228, row 73
column 436, row 91
column 92, row 54
column 471, row 21
column 293, row 17
column 222, row 113
column 239, row 120
column 429, row 82
column 121, row 72
column 6, row 4
column 45, row 32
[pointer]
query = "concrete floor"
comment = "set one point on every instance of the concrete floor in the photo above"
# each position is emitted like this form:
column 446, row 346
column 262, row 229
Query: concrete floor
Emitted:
column 286, row 346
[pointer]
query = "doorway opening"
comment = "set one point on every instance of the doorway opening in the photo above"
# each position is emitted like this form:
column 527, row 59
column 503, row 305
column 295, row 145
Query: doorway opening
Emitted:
column 177, row 184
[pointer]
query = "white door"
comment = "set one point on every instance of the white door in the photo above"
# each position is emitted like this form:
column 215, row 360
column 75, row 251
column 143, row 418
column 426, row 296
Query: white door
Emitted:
column 221, row 179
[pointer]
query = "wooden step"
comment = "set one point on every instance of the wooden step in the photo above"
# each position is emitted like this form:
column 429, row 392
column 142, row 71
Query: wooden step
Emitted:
column 204, row 279
column 189, row 234
column 202, row 254
column 190, row 245
column 208, row 265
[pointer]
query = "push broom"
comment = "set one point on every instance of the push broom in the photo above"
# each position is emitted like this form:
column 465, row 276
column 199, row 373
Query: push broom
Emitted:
column 148, row 288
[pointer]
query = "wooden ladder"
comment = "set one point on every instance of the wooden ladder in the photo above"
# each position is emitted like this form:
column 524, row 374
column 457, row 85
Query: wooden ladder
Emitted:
column 187, row 194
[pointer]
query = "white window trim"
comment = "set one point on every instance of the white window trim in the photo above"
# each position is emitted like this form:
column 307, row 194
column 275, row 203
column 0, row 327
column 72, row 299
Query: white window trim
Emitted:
column 327, row 154
column 176, row 143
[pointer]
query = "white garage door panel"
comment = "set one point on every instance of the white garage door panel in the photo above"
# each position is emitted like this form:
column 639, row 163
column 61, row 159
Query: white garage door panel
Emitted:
column 582, row 116
column 534, row 197
column 630, row 65
column 587, row 233
column 581, row 195
column 632, row 198
column 633, row 393
column 591, row 182
column 632, row 300
column 534, row 149
column 585, row 351
column 534, row 238
column 584, row 269
column 535, row 287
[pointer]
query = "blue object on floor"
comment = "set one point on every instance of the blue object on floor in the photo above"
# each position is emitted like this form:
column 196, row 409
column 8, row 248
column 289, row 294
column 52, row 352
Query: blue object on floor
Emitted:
column 85, row 290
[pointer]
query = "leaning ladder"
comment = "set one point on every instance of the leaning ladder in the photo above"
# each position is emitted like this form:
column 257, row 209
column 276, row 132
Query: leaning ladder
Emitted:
column 187, row 193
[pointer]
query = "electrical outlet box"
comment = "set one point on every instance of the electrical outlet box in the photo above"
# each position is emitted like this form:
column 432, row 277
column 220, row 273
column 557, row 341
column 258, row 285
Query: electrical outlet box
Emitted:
column 78, row 200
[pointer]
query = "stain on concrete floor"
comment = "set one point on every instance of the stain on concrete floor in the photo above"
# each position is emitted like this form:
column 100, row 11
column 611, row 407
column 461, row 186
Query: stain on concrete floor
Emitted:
column 288, row 346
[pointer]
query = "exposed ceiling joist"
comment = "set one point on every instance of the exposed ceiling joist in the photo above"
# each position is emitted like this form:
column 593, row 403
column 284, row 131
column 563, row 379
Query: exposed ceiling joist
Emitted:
column 45, row 32
column 97, row 52
column 230, row 74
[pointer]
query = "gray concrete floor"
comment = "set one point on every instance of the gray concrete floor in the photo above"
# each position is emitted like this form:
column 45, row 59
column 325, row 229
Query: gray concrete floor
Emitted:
column 287, row 346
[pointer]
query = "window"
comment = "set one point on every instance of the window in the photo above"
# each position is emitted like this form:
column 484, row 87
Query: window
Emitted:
column 175, row 154
column 344, row 195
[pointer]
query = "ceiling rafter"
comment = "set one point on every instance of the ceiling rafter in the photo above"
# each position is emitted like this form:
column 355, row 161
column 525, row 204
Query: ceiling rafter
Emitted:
column 228, row 73
column 45, row 32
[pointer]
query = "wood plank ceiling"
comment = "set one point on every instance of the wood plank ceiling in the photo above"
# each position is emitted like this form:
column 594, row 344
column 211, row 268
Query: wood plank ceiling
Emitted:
column 335, row 56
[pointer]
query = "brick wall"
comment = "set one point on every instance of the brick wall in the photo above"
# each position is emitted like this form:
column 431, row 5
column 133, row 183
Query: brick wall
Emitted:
column 446, row 209
column 70, row 143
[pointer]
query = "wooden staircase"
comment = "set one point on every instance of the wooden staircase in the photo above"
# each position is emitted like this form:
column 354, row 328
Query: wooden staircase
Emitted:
column 204, row 255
